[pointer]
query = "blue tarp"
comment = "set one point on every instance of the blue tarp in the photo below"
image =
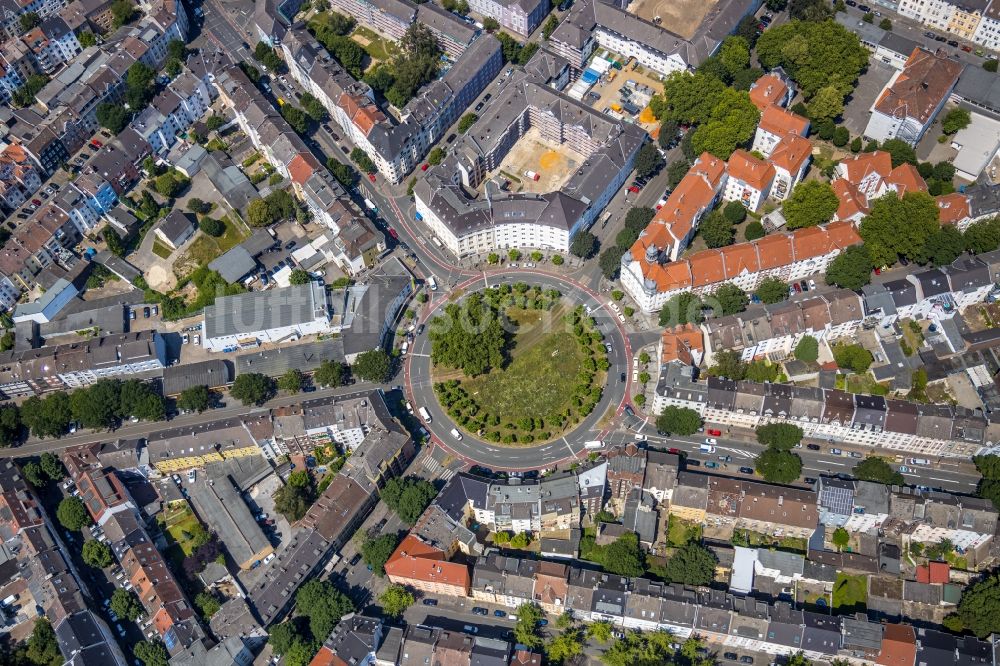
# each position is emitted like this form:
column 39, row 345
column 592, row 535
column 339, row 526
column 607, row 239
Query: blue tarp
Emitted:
column 590, row 76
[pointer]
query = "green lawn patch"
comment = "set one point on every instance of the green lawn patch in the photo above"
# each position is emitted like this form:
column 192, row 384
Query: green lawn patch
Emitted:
column 205, row 248
column 161, row 250
column 752, row 539
column 532, row 384
column 850, row 594
column 181, row 528
column 681, row 532
column 375, row 46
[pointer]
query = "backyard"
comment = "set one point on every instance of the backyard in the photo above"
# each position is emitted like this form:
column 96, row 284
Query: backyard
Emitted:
column 378, row 48
column 850, row 594
column 205, row 248
column 182, row 529
column 752, row 539
column 681, row 532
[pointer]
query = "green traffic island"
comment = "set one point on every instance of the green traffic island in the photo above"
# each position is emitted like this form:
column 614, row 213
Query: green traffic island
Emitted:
column 516, row 365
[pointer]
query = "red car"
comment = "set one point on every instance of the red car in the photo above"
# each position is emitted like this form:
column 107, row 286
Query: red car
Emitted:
column 633, row 189
column 392, row 232
column 714, row 433
column 37, row 202
column 878, row 271
column 676, row 452
column 371, row 177
column 424, row 167
column 96, row 144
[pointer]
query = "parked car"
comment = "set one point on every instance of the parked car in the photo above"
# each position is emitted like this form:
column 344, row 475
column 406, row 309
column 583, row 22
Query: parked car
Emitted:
column 430, row 602
column 810, row 480
column 499, row 613
column 812, row 447
column 691, row 462
column 731, row 656
column 836, row 452
column 145, row 312
column 714, row 432
column 711, row 464
column 746, row 470
column 746, row 659
column 477, row 610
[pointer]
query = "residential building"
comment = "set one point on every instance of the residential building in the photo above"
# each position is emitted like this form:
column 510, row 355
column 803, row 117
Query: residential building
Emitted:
column 175, row 229
column 913, row 97
column 862, row 178
column 749, row 180
column 520, row 16
column 423, row 567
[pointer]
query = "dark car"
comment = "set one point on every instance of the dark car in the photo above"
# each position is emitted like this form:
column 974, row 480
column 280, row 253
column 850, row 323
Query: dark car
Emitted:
column 746, row 659
column 731, row 656
column 420, row 329
column 746, row 470
column 623, row 377
column 430, row 602
column 629, row 410
column 810, row 480
column 290, row 244
column 865, row 8
column 451, row 137
column 940, row 38
column 487, row 97
column 851, row 3
column 479, row 106
column 804, row 285
column 145, row 312
column 355, row 559
column 480, row 611
column 952, row 42
column 812, row 447
column 693, row 463
column 499, row 613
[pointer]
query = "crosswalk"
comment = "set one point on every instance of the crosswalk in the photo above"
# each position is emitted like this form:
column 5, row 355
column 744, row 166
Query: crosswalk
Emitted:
column 434, row 467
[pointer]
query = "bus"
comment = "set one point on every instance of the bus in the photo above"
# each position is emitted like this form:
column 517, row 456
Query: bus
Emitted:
column 424, row 414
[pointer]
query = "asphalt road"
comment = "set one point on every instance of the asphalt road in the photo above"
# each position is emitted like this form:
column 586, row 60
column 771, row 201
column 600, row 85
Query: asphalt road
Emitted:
column 419, row 382
column 945, row 474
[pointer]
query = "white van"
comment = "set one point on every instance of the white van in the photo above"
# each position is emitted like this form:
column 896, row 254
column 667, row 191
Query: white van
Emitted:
column 706, row 448
column 918, row 461
column 432, row 283
column 456, row 434
column 424, row 414
column 595, row 444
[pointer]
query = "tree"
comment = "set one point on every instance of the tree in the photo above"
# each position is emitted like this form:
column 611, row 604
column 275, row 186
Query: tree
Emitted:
column 96, row 554
column 299, row 276
column 623, row 557
column 772, row 290
column 841, row 538
column 753, row 230
column 526, row 629
column 10, row 424
column 113, row 117
column 72, row 514
column 43, row 648
column 693, row 564
column 717, row 230
column 29, row 20
column 826, row 104
column 874, row 468
column 344, row 174
column 490, row 24
column 610, row 261
column 151, row 653
column 466, row 122
column 812, row 202
column 87, row 39
column 943, row 246
column 807, row 350
column 566, row 645
column 125, row 605
column 295, row 497
column 377, row 552
column 292, row 381
column 778, row 466
column 33, row 473
column 329, row 373
column 684, row 308
column 730, row 299
column 782, row 436
column 982, row 236
column 122, row 13
column 732, row 123
column 979, row 608
column 323, row 604
column 196, row 205
column 253, row 388
column 395, row 600
column 885, row 24
column 372, row 366
column 48, row 417
column 207, row 603
column 901, row 152
column 815, row 54
column 648, row 161
column 990, row 65
column 584, row 244
column 408, row 497
column 851, row 269
column 852, row 357
column 676, row 172
column 52, row 467
column 957, row 119
column 194, row 399
column 212, row 227
column 679, row 421
column 600, row 631
column 360, row 157
column 170, row 184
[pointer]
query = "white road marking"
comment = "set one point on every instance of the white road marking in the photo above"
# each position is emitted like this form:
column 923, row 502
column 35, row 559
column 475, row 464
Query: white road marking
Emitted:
column 571, row 452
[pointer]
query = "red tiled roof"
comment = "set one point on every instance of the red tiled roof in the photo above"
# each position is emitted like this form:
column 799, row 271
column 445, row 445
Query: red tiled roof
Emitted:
column 300, row 169
column 746, row 168
column 791, row 153
column 906, row 178
column 417, row 560
column 918, row 90
column 774, row 250
column 953, row 208
column 678, row 343
column 777, row 120
column 899, row 646
column 740, row 258
column 768, row 90
column 706, row 268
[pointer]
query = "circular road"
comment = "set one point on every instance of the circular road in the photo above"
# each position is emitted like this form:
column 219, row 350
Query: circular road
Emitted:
column 420, row 389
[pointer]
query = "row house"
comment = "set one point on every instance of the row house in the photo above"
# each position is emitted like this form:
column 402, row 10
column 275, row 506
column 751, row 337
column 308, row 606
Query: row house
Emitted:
column 773, row 331
column 977, row 21
column 910, row 102
column 11, row 76
column 20, row 176
column 969, row 523
column 173, row 111
column 650, row 279
column 52, row 43
column 10, row 17
column 507, row 581
column 862, row 178
column 632, row 469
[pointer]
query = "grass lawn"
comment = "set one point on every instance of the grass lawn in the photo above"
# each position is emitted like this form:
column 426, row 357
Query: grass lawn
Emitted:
column 178, row 522
column 680, row 532
column 376, row 47
column 850, row 593
column 205, row 248
column 161, row 250
column 754, row 539
column 533, row 383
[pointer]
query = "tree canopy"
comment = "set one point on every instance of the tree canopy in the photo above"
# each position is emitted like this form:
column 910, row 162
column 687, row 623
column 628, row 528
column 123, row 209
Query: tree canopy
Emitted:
column 730, row 299
column 851, row 269
column 323, row 604
column 253, row 388
column 373, row 366
column 584, row 244
column 693, row 564
column 777, row 466
column 151, row 653
column 684, row 308
column 469, row 336
column 783, row 436
column 329, row 373
column 812, row 202
column 125, row 604
column 408, row 497
column 979, row 608
column 807, row 349
column 679, row 421
column 376, row 552
column 852, row 357
column 815, row 54
column 874, row 468
column 899, row 227
column 772, row 290
column 717, row 230
column 648, row 161
column 72, row 514
column 624, row 556
column 395, row 600
column 194, row 398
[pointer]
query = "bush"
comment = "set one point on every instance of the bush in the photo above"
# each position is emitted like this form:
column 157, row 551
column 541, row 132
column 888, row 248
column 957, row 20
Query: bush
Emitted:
column 212, row 227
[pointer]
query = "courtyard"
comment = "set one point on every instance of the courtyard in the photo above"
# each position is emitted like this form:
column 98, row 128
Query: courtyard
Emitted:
column 553, row 162
column 681, row 17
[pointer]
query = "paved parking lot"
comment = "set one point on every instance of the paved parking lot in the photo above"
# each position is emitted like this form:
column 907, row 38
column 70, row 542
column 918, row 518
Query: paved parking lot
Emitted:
column 870, row 84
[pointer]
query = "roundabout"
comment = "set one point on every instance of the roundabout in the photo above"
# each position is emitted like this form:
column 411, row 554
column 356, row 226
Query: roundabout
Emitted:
column 491, row 434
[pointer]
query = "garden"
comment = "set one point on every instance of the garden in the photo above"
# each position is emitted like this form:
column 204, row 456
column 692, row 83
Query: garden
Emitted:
column 515, row 365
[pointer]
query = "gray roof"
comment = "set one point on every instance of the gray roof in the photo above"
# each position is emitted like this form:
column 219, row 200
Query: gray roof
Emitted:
column 979, row 88
column 175, row 226
column 234, row 265
column 305, row 357
column 264, row 310
column 212, row 373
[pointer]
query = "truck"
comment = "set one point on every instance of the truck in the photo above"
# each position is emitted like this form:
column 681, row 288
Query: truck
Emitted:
column 615, row 106
column 531, row 174
column 424, row 414
column 594, row 444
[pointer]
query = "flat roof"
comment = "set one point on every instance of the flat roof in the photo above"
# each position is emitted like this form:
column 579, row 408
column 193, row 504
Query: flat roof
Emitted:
column 265, row 310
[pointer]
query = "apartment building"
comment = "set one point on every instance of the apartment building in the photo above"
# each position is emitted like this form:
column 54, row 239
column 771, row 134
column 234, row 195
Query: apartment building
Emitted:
column 52, row 43
column 173, row 111
column 773, row 331
column 424, row 567
column 988, row 31
column 178, row 449
column 749, row 180
column 20, row 176
column 521, row 16
column 775, row 124
column 911, row 100
column 862, row 178
column 497, row 219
